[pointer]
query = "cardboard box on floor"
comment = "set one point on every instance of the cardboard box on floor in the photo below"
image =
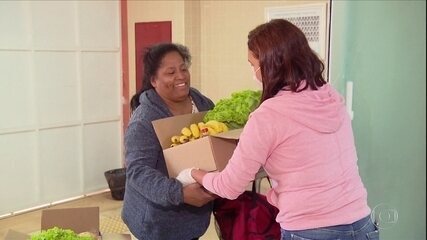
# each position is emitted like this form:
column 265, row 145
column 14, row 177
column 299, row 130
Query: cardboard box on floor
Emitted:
column 208, row 153
column 77, row 219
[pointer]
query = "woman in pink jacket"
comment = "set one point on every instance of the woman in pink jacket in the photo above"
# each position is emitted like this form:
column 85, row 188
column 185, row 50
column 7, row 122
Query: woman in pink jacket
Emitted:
column 301, row 135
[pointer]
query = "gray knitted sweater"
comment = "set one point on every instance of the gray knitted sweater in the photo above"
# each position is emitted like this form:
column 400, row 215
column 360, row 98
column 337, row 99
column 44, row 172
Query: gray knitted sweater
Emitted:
column 153, row 207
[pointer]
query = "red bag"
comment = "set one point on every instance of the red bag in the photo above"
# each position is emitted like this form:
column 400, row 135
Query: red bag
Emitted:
column 249, row 217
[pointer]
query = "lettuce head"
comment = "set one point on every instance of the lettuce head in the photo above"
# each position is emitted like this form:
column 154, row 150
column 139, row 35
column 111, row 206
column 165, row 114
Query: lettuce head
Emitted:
column 235, row 111
column 56, row 233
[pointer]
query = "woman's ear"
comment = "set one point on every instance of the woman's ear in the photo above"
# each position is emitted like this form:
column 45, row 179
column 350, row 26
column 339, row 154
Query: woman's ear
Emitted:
column 153, row 82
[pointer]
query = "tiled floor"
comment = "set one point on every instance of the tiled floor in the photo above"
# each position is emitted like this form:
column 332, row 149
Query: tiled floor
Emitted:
column 110, row 221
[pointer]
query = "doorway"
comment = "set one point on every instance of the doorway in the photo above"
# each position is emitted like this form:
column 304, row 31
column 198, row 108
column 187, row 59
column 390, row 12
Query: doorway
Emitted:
column 147, row 34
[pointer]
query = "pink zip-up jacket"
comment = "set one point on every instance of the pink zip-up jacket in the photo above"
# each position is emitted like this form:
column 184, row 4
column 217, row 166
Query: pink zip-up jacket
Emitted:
column 304, row 141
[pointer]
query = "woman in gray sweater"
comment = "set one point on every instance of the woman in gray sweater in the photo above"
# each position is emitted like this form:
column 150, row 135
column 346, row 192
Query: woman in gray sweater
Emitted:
column 155, row 206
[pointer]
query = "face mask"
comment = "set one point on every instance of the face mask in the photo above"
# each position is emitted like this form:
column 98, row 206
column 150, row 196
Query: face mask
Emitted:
column 255, row 77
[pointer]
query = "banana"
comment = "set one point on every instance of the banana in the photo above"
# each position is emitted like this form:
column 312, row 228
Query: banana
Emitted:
column 175, row 139
column 204, row 131
column 211, row 131
column 183, row 139
column 186, row 132
column 201, row 125
column 215, row 125
column 195, row 131
column 223, row 126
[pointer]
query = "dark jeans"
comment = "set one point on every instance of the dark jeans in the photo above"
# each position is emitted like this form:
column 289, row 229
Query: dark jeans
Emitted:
column 363, row 229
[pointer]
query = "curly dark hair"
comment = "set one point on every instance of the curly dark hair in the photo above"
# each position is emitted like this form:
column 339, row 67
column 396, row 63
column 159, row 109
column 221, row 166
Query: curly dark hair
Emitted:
column 153, row 57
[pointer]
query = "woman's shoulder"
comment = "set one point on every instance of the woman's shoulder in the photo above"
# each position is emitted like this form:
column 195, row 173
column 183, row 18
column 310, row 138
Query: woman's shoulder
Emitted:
column 196, row 93
column 146, row 114
column 201, row 100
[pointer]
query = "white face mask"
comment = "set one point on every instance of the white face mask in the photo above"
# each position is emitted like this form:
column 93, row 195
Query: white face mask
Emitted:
column 259, row 81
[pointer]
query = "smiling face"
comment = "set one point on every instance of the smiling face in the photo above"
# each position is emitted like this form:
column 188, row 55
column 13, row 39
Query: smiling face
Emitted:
column 172, row 80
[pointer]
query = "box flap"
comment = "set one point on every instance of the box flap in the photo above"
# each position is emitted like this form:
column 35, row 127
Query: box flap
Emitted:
column 222, row 150
column 77, row 219
column 165, row 128
column 192, row 154
column 116, row 236
column 14, row 235
column 232, row 134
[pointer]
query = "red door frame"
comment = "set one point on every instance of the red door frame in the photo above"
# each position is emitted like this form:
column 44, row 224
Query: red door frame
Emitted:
column 125, row 66
column 157, row 33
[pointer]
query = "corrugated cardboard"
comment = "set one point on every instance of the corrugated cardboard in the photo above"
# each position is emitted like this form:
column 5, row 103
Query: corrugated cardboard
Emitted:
column 77, row 219
column 14, row 235
column 208, row 153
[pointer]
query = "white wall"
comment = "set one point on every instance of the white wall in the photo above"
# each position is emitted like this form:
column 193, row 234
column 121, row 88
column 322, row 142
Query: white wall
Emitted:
column 224, row 53
column 60, row 88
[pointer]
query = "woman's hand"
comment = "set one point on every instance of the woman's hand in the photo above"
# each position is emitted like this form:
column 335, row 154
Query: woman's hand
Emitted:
column 185, row 177
column 195, row 195
column 191, row 175
column 198, row 174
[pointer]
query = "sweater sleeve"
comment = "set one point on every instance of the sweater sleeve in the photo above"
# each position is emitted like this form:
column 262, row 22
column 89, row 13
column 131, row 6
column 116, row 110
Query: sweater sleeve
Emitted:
column 255, row 145
column 143, row 153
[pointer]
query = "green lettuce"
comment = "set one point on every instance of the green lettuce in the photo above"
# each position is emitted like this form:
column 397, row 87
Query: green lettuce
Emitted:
column 56, row 233
column 235, row 111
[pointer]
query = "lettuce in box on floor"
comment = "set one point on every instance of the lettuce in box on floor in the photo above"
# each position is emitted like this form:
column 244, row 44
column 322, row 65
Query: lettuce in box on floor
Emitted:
column 56, row 233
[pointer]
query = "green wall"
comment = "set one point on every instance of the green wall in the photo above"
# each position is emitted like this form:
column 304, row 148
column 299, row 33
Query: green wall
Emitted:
column 381, row 47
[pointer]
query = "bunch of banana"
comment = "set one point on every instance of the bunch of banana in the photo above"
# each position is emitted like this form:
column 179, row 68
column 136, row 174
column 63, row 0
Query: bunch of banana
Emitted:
column 195, row 131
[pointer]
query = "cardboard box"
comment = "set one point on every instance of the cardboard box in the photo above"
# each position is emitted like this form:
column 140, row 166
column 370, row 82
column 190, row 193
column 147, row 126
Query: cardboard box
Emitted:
column 77, row 219
column 209, row 153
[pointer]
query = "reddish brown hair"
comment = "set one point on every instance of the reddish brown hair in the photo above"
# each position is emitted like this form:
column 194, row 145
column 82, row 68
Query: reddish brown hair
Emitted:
column 285, row 58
